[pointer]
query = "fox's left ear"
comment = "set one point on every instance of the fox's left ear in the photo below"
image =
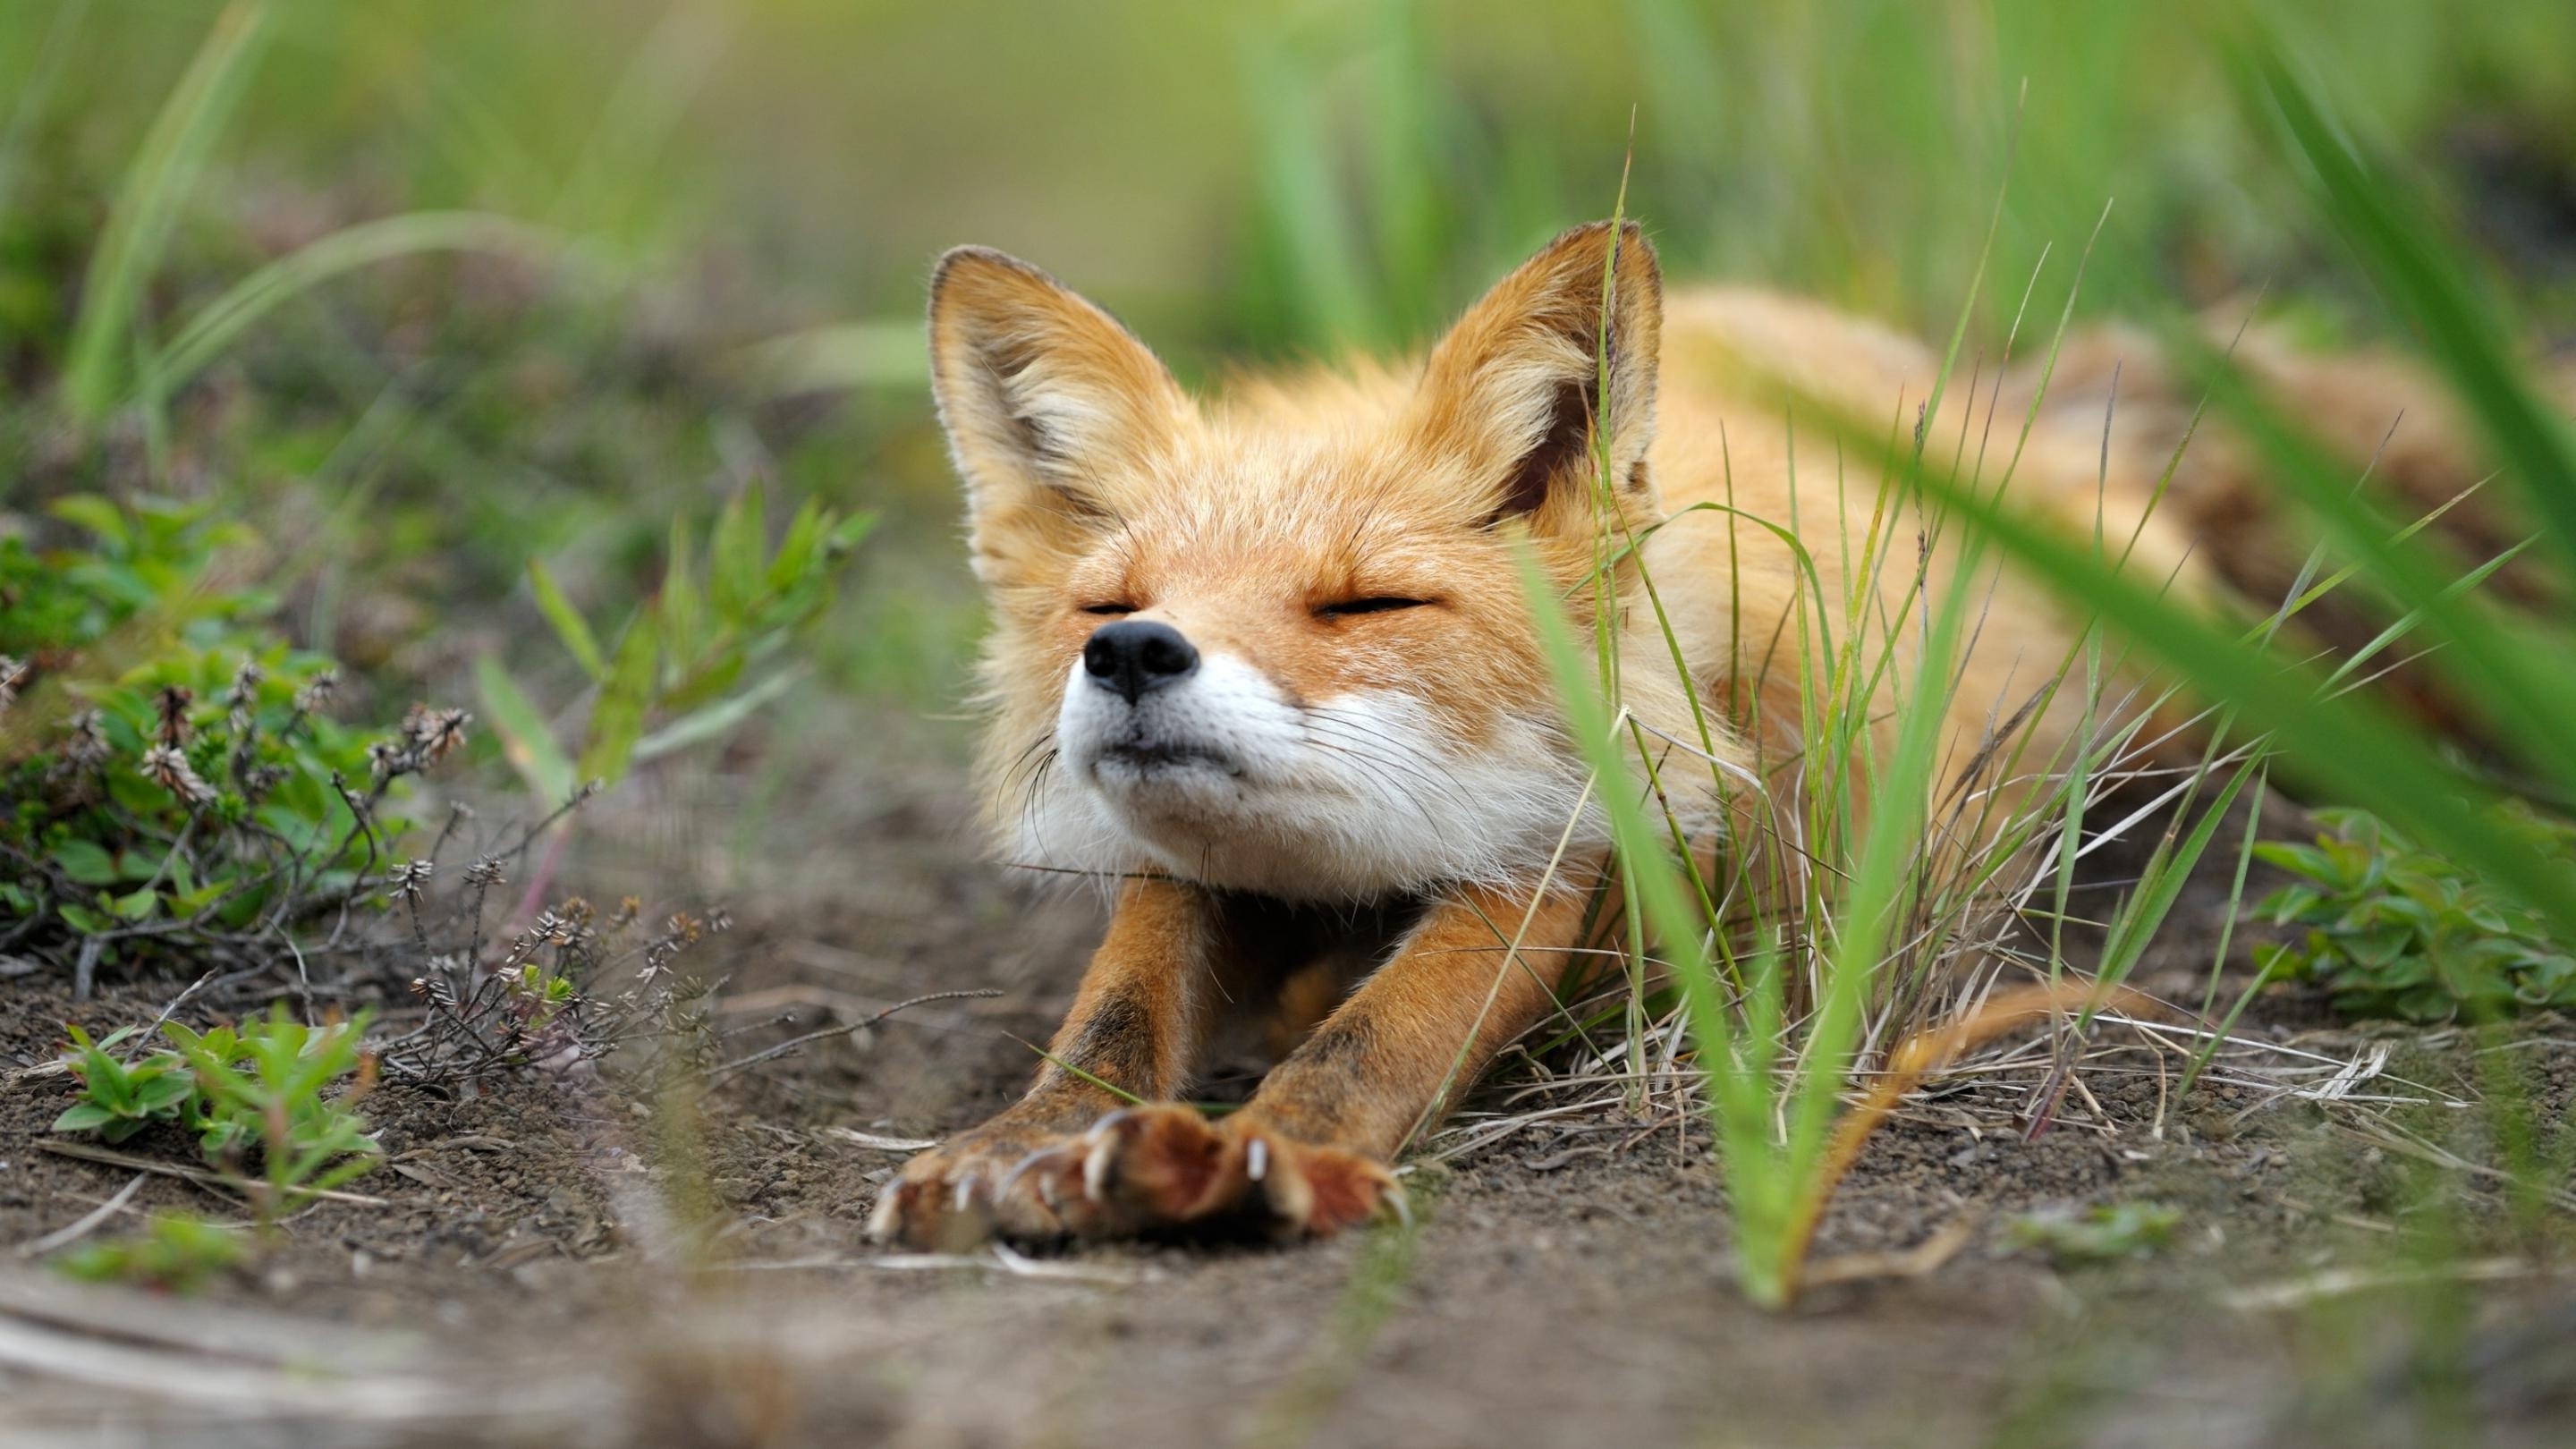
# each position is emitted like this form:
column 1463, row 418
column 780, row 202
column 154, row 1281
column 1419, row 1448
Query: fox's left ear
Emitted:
column 1044, row 398
column 1515, row 391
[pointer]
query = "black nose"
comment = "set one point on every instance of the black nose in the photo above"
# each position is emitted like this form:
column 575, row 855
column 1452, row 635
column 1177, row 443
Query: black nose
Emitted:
column 1135, row 655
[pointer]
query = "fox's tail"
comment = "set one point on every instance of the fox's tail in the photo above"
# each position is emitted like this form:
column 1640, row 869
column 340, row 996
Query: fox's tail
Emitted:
column 2114, row 392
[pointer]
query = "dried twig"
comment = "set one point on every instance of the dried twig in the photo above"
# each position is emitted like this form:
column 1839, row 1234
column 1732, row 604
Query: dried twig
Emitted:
column 64, row 1237
column 846, row 1029
column 198, row 1175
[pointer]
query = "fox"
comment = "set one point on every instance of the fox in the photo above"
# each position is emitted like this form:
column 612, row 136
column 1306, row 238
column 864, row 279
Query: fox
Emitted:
column 1264, row 663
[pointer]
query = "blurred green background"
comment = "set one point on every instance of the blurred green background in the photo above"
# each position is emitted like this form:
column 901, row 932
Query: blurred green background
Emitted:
column 740, row 202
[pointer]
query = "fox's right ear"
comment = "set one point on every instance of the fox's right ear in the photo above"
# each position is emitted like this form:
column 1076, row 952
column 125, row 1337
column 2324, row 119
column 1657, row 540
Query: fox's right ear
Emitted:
column 1043, row 395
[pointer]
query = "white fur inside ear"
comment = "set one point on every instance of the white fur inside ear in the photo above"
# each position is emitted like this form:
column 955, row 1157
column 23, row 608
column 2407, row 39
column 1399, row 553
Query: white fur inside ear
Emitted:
column 1220, row 778
column 1064, row 418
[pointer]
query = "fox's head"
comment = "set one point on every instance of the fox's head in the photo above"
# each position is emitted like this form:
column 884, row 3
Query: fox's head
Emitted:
column 1278, row 641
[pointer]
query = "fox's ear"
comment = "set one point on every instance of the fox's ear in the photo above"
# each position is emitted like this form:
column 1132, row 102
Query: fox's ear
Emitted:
column 1043, row 396
column 1515, row 392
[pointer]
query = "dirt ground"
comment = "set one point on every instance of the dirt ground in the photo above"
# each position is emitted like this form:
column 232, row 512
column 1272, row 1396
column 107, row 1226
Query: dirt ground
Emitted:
column 562, row 1263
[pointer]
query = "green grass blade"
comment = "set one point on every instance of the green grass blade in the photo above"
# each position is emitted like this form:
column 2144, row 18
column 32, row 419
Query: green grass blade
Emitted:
column 617, row 719
column 710, row 721
column 223, row 320
column 569, row 625
column 2349, row 744
column 2383, row 226
column 2526, row 693
column 1738, row 1096
column 1309, row 240
column 174, row 152
column 37, row 93
column 525, row 740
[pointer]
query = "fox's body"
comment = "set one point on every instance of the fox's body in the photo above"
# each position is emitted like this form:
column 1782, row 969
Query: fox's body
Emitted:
column 1266, row 664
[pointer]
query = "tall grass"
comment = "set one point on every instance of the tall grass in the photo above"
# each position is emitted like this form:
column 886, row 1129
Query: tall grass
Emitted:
column 1783, row 959
column 113, row 358
column 1892, row 892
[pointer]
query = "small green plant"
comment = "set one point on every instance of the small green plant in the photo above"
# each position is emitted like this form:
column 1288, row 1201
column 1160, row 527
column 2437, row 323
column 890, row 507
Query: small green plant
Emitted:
column 2396, row 930
column 119, row 1100
column 264, row 1086
column 175, row 1253
column 261, row 1088
column 170, row 777
column 2103, row 1233
column 680, row 659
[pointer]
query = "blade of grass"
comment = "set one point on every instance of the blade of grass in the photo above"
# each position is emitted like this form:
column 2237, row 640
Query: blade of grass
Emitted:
column 2351, row 745
column 1737, row 1097
column 2383, row 226
column 165, row 169
column 221, row 322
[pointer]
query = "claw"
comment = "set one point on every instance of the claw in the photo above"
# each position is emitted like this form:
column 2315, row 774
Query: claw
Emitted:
column 1037, row 1158
column 1011, row 1178
column 1096, row 1164
column 889, row 1212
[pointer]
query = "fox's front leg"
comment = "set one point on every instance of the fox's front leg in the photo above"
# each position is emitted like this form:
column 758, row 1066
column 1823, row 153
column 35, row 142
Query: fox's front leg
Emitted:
column 1310, row 1154
column 1138, row 1025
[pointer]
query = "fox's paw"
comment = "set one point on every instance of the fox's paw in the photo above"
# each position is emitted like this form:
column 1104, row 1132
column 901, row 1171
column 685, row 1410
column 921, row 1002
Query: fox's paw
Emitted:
column 999, row 1180
column 1165, row 1168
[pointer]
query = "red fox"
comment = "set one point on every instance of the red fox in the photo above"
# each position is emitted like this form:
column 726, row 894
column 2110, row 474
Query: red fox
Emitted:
column 1265, row 662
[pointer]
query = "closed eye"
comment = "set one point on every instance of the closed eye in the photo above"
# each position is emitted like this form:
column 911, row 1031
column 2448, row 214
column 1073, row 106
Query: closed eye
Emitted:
column 1109, row 608
column 1378, row 604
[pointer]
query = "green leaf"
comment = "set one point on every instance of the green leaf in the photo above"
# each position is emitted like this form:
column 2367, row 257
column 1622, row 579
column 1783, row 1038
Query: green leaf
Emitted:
column 617, row 720
column 525, row 740
column 96, row 514
column 137, row 905
column 2139, row 923
column 683, row 612
column 86, row 861
column 570, row 626
column 711, row 721
column 165, row 1092
column 188, row 903
column 713, row 676
column 801, row 549
column 2346, row 744
column 83, row 1117
column 850, row 530
column 2304, row 860
column 86, row 921
column 734, row 556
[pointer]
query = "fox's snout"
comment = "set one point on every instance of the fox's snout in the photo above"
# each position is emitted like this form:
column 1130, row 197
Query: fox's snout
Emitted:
column 1133, row 656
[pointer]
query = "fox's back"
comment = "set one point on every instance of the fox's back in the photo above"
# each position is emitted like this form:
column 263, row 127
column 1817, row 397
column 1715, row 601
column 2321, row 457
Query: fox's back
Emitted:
column 1758, row 390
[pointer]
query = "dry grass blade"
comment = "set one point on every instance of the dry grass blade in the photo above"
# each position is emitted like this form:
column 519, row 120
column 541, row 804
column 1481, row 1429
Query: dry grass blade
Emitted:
column 845, row 1029
column 87, row 1223
column 197, row 1175
column 1920, row 1261
column 1918, row 1057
